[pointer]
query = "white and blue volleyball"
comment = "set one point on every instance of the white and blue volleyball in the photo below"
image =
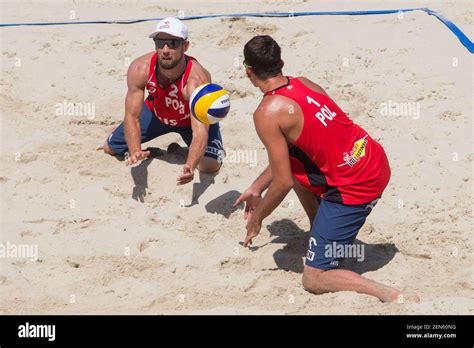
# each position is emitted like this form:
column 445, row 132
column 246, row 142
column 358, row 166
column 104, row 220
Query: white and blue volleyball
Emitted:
column 209, row 103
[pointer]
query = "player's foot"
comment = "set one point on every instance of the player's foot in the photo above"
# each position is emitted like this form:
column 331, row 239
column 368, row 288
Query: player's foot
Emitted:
column 401, row 297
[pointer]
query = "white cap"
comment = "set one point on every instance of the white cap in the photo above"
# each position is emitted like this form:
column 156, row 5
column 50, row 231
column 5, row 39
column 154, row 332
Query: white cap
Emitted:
column 172, row 26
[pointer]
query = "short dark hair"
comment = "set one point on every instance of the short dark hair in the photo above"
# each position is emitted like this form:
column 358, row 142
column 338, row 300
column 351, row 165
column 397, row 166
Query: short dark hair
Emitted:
column 263, row 55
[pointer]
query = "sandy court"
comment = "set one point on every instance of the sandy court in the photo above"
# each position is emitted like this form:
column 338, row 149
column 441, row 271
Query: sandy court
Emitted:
column 116, row 240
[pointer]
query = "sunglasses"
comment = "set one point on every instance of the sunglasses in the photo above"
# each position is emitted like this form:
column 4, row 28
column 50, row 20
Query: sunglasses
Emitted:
column 246, row 65
column 172, row 43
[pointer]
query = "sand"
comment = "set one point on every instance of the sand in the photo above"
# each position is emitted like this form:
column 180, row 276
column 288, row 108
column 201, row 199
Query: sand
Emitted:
column 115, row 240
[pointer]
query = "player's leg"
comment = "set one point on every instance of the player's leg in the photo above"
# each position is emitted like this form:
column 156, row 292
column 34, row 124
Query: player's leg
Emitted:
column 307, row 199
column 150, row 128
column 318, row 281
column 336, row 226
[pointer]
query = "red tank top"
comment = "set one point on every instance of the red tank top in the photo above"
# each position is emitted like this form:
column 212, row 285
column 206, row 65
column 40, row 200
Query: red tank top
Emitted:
column 334, row 157
column 168, row 104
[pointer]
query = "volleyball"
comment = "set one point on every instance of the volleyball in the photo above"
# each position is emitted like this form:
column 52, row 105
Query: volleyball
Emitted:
column 209, row 103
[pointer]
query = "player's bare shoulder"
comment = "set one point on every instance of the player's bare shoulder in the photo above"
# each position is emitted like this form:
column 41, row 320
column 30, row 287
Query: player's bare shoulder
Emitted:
column 197, row 76
column 271, row 107
column 138, row 70
column 278, row 110
column 274, row 105
column 199, row 73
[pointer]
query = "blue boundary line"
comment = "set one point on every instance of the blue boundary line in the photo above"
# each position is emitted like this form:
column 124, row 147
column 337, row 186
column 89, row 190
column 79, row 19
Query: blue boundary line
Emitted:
column 450, row 25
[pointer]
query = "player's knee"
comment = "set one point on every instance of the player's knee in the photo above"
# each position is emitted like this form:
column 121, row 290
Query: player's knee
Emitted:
column 312, row 287
column 108, row 150
column 209, row 165
column 307, row 283
column 313, row 282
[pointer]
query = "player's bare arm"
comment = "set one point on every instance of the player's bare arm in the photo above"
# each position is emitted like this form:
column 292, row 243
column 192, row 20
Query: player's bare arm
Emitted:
column 198, row 76
column 136, row 82
column 253, row 195
column 271, row 135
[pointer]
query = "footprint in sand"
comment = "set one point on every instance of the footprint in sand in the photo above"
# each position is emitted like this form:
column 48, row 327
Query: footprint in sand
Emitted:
column 82, row 223
column 87, row 172
column 27, row 157
column 146, row 244
column 73, row 263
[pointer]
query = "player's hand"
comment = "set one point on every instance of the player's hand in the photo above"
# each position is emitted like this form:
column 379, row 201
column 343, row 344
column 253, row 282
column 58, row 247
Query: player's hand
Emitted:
column 251, row 199
column 136, row 157
column 254, row 224
column 187, row 176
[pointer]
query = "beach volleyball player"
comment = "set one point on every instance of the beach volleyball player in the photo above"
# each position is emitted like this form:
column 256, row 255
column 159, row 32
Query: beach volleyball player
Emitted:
column 314, row 148
column 170, row 77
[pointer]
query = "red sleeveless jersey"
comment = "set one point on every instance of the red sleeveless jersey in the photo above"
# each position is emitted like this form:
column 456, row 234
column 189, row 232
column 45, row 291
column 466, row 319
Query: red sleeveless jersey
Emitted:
column 168, row 104
column 334, row 157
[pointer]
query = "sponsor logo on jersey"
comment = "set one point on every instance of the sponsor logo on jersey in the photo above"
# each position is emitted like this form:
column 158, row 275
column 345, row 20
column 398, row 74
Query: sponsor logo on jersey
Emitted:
column 357, row 152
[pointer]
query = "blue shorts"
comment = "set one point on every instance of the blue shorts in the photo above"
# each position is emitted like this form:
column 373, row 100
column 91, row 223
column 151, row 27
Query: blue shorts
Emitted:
column 151, row 127
column 333, row 232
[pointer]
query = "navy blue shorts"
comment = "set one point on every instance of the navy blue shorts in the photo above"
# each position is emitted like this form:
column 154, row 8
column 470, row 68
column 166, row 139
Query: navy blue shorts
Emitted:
column 151, row 127
column 333, row 232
